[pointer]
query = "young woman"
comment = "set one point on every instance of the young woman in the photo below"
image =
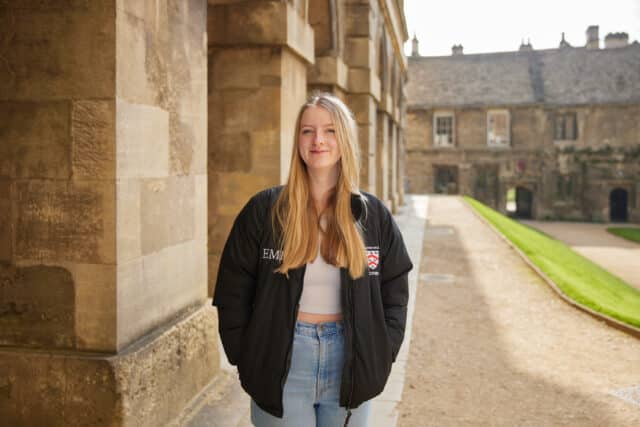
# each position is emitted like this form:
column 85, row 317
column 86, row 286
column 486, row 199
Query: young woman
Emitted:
column 312, row 285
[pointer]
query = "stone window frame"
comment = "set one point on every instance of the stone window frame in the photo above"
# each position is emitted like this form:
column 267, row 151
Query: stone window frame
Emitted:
column 452, row 134
column 565, row 118
column 491, row 142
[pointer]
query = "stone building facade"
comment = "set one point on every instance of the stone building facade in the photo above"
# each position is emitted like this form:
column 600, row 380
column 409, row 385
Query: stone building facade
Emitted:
column 131, row 133
column 557, row 127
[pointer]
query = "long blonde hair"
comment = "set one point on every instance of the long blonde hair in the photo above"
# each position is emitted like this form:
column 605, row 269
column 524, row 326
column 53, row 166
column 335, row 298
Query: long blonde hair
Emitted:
column 295, row 220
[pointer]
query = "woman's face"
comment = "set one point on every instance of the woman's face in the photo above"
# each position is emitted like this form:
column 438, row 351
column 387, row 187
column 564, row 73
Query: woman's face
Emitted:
column 317, row 141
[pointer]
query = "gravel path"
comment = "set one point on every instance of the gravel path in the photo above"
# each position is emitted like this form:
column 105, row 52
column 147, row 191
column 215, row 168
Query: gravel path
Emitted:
column 615, row 254
column 493, row 345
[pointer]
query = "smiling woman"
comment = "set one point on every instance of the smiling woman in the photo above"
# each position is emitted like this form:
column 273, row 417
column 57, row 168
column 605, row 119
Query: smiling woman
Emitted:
column 297, row 263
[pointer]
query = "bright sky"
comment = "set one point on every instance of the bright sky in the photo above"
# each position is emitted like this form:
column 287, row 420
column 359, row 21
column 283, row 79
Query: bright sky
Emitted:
column 500, row 25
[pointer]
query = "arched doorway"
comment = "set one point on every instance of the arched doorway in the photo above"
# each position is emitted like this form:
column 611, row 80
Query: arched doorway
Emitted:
column 618, row 202
column 524, row 203
column 446, row 179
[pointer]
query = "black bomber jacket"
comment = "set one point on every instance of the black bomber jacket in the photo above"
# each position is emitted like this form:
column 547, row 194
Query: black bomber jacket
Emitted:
column 257, row 308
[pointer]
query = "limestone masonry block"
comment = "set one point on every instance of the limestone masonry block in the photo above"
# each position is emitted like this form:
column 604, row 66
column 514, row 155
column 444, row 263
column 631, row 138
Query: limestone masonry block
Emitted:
column 142, row 60
column 129, row 236
column 142, row 132
column 95, row 306
column 360, row 52
column 329, row 70
column 180, row 205
column 130, row 293
column 364, row 80
column 64, row 221
column 265, row 153
column 154, row 216
column 360, row 19
column 363, row 107
column 37, row 303
column 35, row 140
column 93, row 139
column 230, row 151
column 260, row 23
column 58, row 52
column 244, row 68
column 188, row 143
column 153, row 288
column 229, row 192
column 244, row 110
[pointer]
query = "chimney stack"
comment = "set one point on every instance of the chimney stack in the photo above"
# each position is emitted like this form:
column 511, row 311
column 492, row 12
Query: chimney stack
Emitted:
column 525, row 47
column 456, row 50
column 593, row 42
column 614, row 40
column 414, row 46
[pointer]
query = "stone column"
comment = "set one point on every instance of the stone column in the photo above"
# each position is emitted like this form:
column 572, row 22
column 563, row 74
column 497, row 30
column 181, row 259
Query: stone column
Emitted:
column 363, row 83
column 401, row 167
column 258, row 57
column 103, row 213
column 393, row 167
column 382, row 158
column 329, row 73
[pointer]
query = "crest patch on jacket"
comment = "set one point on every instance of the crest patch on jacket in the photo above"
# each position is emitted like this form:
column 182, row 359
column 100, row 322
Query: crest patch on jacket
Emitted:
column 373, row 259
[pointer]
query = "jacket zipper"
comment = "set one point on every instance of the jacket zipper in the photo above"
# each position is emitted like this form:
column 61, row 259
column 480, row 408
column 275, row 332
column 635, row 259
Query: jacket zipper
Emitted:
column 353, row 347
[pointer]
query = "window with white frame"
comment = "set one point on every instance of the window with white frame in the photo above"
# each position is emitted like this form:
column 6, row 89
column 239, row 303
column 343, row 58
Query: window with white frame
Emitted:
column 498, row 128
column 443, row 129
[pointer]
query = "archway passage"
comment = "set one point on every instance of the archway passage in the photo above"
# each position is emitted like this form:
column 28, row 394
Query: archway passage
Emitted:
column 524, row 203
column 618, row 202
column 446, row 181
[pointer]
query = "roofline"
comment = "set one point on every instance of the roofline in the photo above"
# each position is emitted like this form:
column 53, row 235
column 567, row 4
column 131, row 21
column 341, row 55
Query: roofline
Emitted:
column 421, row 107
column 521, row 52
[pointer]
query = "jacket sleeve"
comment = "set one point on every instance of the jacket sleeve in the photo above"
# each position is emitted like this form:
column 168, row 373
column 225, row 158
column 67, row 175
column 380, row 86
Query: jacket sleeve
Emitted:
column 394, row 285
column 235, row 284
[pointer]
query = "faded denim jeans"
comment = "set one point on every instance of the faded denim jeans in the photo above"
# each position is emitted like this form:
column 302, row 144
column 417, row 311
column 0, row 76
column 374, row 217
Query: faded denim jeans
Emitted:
column 312, row 389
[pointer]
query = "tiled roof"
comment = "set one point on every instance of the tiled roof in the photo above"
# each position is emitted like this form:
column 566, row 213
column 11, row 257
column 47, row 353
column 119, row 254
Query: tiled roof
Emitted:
column 567, row 76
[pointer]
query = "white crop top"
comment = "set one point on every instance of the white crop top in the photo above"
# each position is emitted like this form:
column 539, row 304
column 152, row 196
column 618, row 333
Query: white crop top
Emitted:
column 321, row 288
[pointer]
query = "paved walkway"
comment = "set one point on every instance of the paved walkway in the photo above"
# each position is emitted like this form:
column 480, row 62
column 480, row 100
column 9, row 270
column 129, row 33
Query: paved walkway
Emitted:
column 615, row 254
column 493, row 345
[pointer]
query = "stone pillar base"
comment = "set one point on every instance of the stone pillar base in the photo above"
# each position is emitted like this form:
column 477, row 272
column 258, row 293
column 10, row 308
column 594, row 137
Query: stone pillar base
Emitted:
column 394, row 204
column 146, row 384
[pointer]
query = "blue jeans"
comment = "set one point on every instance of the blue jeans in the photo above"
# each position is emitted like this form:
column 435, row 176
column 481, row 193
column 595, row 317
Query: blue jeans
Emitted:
column 312, row 389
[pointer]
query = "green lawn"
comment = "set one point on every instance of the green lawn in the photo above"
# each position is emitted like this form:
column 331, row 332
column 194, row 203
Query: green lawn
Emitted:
column 632, row 234
column 580, row 279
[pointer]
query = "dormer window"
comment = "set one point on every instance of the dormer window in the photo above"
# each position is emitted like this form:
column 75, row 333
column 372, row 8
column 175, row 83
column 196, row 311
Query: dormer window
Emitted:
column 443, row 129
